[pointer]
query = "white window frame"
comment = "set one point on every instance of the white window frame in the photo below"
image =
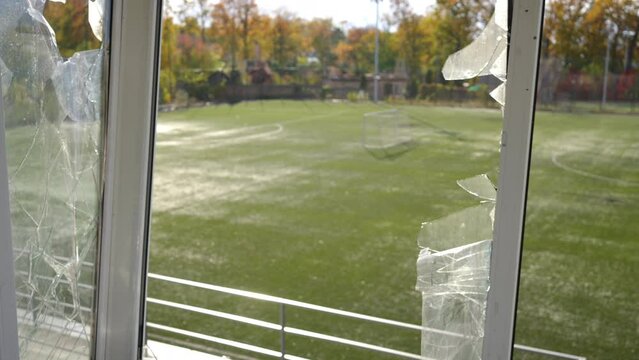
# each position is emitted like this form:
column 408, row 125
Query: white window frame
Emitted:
column 9, row 345
column 133, row 48
column 130, row 131
column 519, row 114
column 130, row 126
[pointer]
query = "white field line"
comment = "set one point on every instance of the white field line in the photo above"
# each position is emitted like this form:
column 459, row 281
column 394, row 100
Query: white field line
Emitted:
column 556, row 162
column 228, row 138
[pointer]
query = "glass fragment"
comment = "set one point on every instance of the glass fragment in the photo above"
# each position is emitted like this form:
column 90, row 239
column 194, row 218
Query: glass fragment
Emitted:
column 96, row 17
column 81, row 73
column 500, row 67
column 477, row 58
column 53, row 112
column 454, row 264
column 6, row 76
column 499, row 94
column 454, row 285
column 479, row 186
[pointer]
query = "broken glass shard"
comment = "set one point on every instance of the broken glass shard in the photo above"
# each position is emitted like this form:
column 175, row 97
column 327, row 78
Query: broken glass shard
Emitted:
column 500, row 66
column 479, row 186
column 477, row 58
column 499, row 94
column 5, row 78
column 501, row 14
column 37, row 16
column 53, row 115
column 96, row 17
column 461, row 228
column 454, row 286
column 12, row 11
column 81, row 74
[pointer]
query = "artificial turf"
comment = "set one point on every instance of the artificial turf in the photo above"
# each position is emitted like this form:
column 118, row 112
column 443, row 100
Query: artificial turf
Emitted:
column 282, row 198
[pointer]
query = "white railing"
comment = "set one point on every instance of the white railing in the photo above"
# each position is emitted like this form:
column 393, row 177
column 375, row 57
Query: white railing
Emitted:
column 284, row 329
column 281, row 326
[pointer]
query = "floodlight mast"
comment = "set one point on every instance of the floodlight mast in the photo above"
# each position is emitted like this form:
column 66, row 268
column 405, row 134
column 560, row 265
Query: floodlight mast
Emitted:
column 610, row 33
column 376, row 75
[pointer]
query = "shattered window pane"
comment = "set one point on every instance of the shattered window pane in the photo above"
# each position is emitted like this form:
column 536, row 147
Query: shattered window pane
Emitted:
column 453, row 276
column 453, row 268
column 454, row 285
column 54, row 117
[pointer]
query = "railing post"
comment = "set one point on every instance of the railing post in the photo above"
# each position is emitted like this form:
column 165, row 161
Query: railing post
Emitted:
column 282, row 330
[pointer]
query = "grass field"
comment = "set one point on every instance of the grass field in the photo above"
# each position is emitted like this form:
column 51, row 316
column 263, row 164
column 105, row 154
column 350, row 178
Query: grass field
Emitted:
column 281, row 198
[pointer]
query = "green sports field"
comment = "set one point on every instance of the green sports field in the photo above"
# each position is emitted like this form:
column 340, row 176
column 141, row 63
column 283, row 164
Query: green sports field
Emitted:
column 282, row 198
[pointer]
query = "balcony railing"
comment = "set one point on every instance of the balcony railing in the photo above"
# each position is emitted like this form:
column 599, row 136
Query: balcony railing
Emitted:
column 281, row 326
column 284, row 329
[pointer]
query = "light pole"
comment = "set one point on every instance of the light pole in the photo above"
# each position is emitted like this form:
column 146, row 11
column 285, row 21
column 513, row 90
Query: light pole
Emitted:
column 376, row 74
column 610, row 31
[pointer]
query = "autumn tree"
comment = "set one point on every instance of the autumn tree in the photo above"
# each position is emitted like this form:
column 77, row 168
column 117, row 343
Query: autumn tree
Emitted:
column 246, row 15
column 233, row 24
column 356, row 53
column 410, row 38
column 262, row 26
column 285, row 39
column 577, row 32
column 71, row 25
column 624, row 14
column 321, row 36
column 410, row 41
column 169, row 61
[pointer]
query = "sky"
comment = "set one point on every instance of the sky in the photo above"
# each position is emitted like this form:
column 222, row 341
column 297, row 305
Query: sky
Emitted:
column 354, row 12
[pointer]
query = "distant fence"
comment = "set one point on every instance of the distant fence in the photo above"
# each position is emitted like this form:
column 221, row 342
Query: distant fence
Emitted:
column 270, row 91
column 572, row 91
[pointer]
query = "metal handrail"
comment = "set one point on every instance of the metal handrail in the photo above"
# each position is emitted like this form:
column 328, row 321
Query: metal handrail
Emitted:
column 283, row 302
column 281, row 326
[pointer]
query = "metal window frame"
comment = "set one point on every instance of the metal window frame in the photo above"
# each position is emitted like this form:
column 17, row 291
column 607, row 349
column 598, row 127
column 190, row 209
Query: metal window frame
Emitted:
column 9, row 344
column 128, row 169
column 519, row 114
column 131, row 111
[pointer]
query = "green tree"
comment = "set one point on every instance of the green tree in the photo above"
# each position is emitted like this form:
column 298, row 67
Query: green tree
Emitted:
column 356, row 53
column 410, row 37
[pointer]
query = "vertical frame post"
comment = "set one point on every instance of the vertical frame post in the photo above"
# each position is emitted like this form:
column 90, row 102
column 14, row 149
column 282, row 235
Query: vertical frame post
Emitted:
column 519, row 112
column 9, row 346
column 131, row 111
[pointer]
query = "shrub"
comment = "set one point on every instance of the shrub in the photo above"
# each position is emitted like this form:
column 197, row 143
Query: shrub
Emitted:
column 326, row 92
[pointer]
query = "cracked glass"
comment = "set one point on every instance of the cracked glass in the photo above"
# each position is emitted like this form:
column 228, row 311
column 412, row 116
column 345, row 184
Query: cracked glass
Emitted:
column 53, row 109
column 453, row 267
